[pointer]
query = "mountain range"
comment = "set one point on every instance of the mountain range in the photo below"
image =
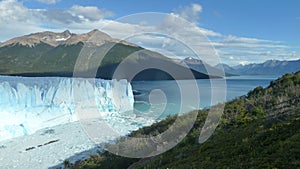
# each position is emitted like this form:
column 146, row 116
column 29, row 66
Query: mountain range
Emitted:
column 92, row 54
column 96, row 54
column 269, row 67
column 203, row 67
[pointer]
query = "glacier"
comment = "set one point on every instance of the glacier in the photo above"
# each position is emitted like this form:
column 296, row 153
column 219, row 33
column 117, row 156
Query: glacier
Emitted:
column 29, row 104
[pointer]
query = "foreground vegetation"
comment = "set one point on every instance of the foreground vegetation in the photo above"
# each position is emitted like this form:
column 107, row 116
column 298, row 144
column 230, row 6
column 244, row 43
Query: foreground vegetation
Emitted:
column 260, row 130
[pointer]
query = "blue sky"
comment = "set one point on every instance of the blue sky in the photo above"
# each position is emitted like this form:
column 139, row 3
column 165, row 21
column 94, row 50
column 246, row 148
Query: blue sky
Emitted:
column 266, row 19
column 263, row 22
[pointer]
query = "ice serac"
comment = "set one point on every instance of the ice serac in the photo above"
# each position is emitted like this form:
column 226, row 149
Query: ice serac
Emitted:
column 30, row 104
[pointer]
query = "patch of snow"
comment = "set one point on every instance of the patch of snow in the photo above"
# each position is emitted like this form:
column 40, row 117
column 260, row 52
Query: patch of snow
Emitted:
column 62, row 39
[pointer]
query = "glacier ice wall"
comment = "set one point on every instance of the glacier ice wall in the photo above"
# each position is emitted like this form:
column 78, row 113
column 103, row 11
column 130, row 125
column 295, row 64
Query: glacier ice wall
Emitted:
column 29, row 104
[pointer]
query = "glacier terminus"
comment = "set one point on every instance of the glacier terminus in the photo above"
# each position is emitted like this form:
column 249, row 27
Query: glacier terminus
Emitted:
column 29, row 104
column 40, row 122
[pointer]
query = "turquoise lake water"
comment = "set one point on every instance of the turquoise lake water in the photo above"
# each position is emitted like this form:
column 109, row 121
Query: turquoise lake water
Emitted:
column 170, row 101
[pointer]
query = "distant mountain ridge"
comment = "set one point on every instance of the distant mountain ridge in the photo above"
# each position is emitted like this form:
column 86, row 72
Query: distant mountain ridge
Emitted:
column 225, row 67
column 56, row 54
column 203, row 67
column 65, row 38
column 269, row 67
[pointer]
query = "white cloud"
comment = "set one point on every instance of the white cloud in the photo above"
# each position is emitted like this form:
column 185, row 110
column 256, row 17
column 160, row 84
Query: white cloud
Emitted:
column 174, row 27
column 91, row 13
column 235, row 39
column 174, row 23
column 48, row 1
column 76, row 14
column 11, row 10
column 190, row 13
column 16, row 19
column 253, row 50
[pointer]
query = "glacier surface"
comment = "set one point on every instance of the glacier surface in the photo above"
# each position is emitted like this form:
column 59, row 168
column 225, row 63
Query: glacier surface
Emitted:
column 28, row 104
column 44, row 121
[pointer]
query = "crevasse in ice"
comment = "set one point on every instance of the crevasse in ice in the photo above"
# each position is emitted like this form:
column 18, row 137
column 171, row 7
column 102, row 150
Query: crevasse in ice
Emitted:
column 28, row 104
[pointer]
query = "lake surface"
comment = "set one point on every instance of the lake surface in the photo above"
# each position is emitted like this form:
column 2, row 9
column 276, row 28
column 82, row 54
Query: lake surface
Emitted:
column 167, row 97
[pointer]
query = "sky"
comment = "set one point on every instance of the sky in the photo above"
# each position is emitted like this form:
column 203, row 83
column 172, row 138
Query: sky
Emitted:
column 240, row 32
